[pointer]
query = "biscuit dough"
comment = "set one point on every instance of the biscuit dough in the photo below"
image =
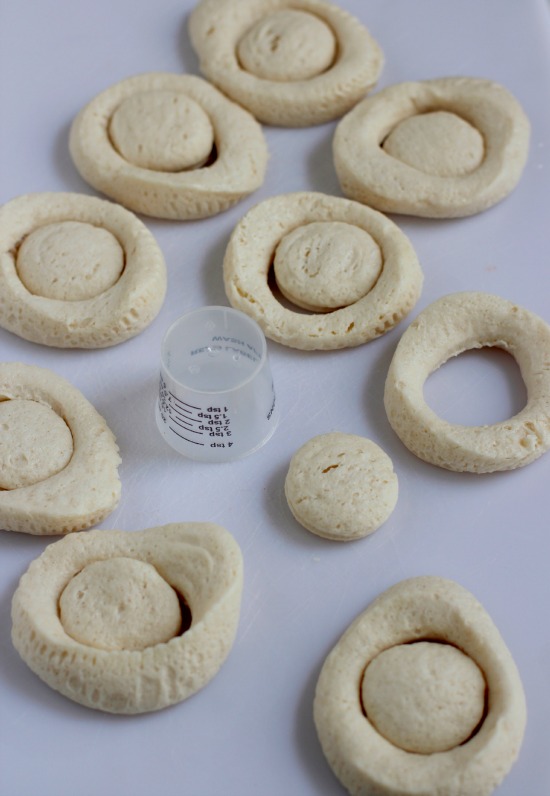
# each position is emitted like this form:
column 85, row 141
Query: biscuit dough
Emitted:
column 129, row 578
column 453, row 324
column 291, row 64
column 169, row 146
column 77, row 271
column 437, row 148
column 433, row 612
column 58, row 458
column 253, row 247
column 341, row 486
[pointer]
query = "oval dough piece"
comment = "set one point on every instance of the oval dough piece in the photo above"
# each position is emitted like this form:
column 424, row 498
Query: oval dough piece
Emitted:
column 201, row 562
column 251, row 250
column 453, row 324
column 479, row 116
column 418, row 610
column 341, row 486
column 69, row 480
column 137, row 142
column 290, row 66
column 77, row 271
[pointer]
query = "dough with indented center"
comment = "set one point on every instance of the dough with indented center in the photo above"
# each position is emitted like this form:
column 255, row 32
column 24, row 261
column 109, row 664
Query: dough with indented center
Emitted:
column 290, row 65
column 169, row 146
column 58, row 459
column 436, row 612
column 145, row 618
column 341, row 486
column 254, row 244
column 437, row 148
column 77, row 271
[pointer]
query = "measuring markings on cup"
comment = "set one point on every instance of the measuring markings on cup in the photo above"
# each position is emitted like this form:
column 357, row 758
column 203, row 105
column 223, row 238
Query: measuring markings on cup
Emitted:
column 216, row 396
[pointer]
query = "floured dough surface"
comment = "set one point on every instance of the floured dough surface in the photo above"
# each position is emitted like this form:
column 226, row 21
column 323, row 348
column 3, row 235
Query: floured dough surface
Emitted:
column 77, row 271
column 443, row 682
column 447, row 327
column 58, row 459
column 119, row 641
column 293, row 64
column 169, row 146
column 439, row 148
column 341, row 486
column 306, row 221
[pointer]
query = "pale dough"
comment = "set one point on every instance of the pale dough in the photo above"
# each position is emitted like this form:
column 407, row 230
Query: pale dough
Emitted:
column 58, row 458
column 169, row 146
column 326, row 265
column 291, row 64
column 152, row 661
column 341, row 486
column 437, row 148
column 77, row 271
column 423, row 609
column 253, row 246
column 453, row 324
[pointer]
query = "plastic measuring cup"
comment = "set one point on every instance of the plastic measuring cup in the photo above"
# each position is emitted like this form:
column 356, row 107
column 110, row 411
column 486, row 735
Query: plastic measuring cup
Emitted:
column 216, row 397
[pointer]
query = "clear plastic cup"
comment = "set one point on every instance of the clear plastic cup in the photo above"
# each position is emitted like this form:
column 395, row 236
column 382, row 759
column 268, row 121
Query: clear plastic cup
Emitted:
column 216, row 396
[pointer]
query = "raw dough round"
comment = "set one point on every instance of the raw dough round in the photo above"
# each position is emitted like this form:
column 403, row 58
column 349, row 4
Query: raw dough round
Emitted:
column 423, row 609
column 451, row 325
column 58, row 458
column 424, row 697
column 197, row 563
column 252, row 249
column 291, row 64
column 437, row 148
column 326, row 265
column 77, row 271
column 35, row 443
column 169, row 146
column 341, row 486
column 119, row 604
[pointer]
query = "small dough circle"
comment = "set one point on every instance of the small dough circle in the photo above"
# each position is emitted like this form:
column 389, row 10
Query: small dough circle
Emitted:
column 251, row 251
column 58, row 458
column 69, row 261
column 120, row 603
column 341, row 486
column 437, row 142
column 162, row 131
column 453, row 324
column 287, row 45
column 35, row 443
column 369, row 173
column 77, row 271
column 290, row 66
column 326, row 265
column 167, row 179
column 140, row 669
column 422, row 609
column 424, row 697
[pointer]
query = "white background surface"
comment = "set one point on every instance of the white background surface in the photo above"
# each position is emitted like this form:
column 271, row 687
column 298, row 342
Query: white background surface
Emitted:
column 250, row 731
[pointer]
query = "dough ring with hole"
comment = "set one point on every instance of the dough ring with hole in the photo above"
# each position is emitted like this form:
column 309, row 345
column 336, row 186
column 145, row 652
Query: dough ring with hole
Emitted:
column 341, row 486
column 77, row 271
column 103, row 616
column 438, row 148
column 292, row 64
column 58, row 458
column 170, row 146
column 421, row 695
column 254, row 246
column 453, row 324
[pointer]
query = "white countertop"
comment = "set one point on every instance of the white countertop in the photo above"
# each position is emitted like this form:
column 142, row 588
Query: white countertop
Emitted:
column 250, row 731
